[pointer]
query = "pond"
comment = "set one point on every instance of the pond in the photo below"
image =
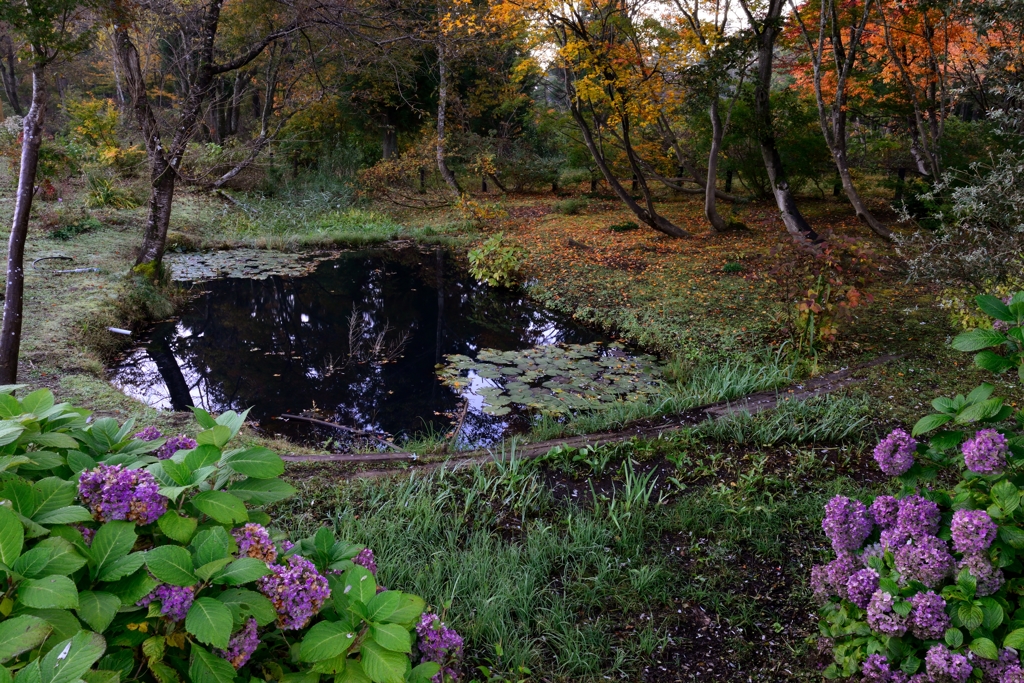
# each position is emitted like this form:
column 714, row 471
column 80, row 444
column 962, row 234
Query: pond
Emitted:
column 356, row 341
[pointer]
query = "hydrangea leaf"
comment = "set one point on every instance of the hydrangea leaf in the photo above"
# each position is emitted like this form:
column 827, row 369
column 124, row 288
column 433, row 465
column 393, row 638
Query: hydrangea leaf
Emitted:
column 70, row 659
column 382, row 606
column 245, row 603
column 218, row 435
column 210, row 568
column 1014, row 639
column 12, row 536
column 258, row 463
column 358, row 584
column 207, row 667
column 424, row 673
column 382, row 665
column 49, row 592
column 113, row 541
column 983, row 647
column 261, row 491
column 392, row 637
column 410, row 609
column 210, row 621
column 51, row 556
column 930, row 422
column 352, row 673
column 97, row 609
column 177, row 527
column 121, row 567
column 241, row 571
column 64, row 515
column 21, row 634
column 210, row 544
column 171, row 564
column 220, row 506
column 326, row 639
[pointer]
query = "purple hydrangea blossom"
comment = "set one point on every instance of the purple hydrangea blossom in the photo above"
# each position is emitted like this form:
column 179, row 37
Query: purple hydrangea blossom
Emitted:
column 992, row 670
column 985, row 452
column 884, row 510
column 1012, row 674
column 175, row 444
column 895, row 453
column 148, row 434
column 873, row 550
column 175, row 601
column 918, row 516
column 439, row 644
column 881, row 616
column 832, row 578
column 927, row 560
column 989, row 577
column 893, row 539
column 861, row 586
column 254, row 541
column 847, row 524
column 876, row 669
column 87, row 533
column 973, row 531
column 298, row 591
column 242, row 644
column 365, row 559
column 112, row 492
column 944, row 666
column 928, row 618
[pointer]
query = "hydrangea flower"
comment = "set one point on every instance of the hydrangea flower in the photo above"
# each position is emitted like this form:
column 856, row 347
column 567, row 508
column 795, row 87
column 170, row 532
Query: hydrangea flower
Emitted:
column 927, row 560
column 242, row 644
column 895, row 453
column 944, row 666
column 973, row 531
column 918, row 516
column 439, row 644
column 989, row 577
column 985, row 452
column 1012, row 674
column 876, row 669
column 847, row 523
column 148, row 434
column 254, row 541
column 112, row 492
column 175, row 601
column 884, row 510
column 175, row 444
column 861, row 586
column 298, row 591
column 365, row 559
column 832, row 578
column 881, row 616
column 992, row 670
column 87, row 533
column 928, row 618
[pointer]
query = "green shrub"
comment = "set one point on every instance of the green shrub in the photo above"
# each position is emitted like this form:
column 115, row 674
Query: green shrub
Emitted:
column 79, row 225
column 625, row 226
column 570, row 207
column 165, row 572
column 495, row 261
column 732, row 267
column 897, row 596
column 104, row 193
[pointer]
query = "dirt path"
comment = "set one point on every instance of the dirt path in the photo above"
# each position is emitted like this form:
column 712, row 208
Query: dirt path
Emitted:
column 647, row 429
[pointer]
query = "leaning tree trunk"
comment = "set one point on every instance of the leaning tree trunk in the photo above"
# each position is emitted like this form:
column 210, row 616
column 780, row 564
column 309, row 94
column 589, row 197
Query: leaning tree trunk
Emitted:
column 9, row 76
column 442, row 108
column 717, row 134
column 795, row 223
column 10, row 333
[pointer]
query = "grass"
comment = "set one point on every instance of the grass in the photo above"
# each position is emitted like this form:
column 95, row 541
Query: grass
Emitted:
column 825, row 420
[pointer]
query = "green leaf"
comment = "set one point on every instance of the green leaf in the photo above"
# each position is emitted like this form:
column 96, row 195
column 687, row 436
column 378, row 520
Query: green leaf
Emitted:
column 210, row 544
column 112, row 541
column 30, row 674
column 50, row 556
column 64, row 623
column 994, row 307
column 258, row 463
column 70, row 659
column 121, row 567
column 1012, row 535
column 1014, row 639
column 12, row 535
column 97, row 609
column 210, row 568
column 955, row 638
column 983, row 647
column 207, row 667
column 980, row 411
column 134, row 587
column 993, row 362
column 21, row 634
column 424, row 673
column 993, row 613
column 53, row 493
column 358, row 584
column 220, row 506
column 1006, row 496
column 64, row 515
column 218, row 436
column 50, row 591
column 930, row 422
column 383, row 666
column 171, row 564
column 262, row 491
column 203, row 418
column 241, row 571
column 970, row 615
column 101, row 676
column 980, row 393
column 176, row 527
column 57, row 440
column 976, row 340
column 324, row 640
column 410, row 608
column 232, row 420
column 382, row 606
column 202, row 456
column 353, row 673
column 244, row 603
column 210, row 621
column 177, row 472
column 392, row 637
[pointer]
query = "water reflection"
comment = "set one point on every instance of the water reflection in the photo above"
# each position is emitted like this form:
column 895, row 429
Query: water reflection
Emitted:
column 358, row 340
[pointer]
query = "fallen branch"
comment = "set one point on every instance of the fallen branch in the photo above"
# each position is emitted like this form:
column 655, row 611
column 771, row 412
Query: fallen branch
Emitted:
column 350, row 430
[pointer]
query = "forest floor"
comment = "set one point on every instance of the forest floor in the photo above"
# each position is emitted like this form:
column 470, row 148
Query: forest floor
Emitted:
column 678, row 558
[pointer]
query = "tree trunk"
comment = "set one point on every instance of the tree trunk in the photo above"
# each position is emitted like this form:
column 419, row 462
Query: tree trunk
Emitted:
column 442, row 107
column 9, row 76
column 795, row 223
column 10, row 333
column 161, row 198
column 717, row 134
column 389, row 137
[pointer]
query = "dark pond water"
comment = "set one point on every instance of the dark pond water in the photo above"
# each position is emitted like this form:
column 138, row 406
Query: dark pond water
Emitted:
column 357, row 342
